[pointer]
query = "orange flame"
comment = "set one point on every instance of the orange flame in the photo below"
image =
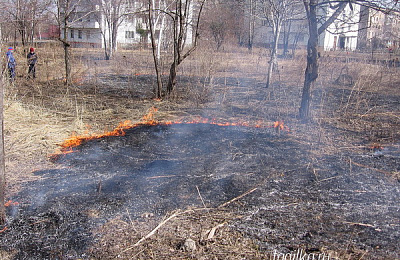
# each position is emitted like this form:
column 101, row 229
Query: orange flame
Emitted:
column 11, row 203
column 76, row 140
column 279, row 125
column 376, row 146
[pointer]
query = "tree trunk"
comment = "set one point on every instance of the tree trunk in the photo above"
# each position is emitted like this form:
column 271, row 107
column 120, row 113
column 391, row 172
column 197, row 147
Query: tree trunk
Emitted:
column 311, row 73
column 172, row 77
column 273, row 62
column 288, row 27
column 67, row 65
column 155, row 55
column 251, row 25
column 114, row 39
column 106, row 54
column 178, row 29
column 66, row 53
column 2, row 160
column 160, row 36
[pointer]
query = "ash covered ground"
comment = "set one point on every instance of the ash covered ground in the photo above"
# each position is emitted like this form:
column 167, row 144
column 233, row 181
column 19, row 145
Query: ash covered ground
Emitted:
column 318, row 188
column 329, row 205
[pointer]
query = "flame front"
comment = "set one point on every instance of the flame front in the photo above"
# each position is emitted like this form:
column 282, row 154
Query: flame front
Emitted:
column 279, row 125
column 11, row 203
column 148, row 119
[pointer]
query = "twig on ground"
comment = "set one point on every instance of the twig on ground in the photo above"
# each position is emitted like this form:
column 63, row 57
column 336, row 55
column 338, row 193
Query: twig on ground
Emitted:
column 358, row 224
column 161, row 176
column 238, row 197
column 178, row 212
column 363, row 225
column 211, row 232
column 369, row 167
column 327, row 179
column 202, row 201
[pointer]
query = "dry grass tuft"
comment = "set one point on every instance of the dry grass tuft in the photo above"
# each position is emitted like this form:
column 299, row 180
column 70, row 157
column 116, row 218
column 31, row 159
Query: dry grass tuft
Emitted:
column 118, row 236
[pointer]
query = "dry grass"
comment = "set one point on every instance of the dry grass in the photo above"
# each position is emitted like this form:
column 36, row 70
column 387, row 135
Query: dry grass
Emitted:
column 117, row 238
column 41, row 114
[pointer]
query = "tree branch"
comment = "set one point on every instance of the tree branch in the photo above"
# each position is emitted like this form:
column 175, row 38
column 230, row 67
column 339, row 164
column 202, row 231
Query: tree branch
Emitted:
column 333, row 17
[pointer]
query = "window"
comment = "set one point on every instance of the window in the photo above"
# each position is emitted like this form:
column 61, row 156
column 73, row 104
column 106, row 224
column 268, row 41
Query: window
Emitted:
column 129, row 34
column 72, row 33
column 88, row 35
column 264, row 23
column 79, row 34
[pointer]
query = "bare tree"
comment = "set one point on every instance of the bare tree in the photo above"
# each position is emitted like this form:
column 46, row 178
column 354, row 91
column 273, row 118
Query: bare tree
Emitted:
column 218, row 30
column 185, row 17
column 24, row 16
column 66, row 16
column 276, row 13
column 251, row 9
column 65, row 9
column 315, row 29
column 156, row 54
column 111, row 16
column 218, row 19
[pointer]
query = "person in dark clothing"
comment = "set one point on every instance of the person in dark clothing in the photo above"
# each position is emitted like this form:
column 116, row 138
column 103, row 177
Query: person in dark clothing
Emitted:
column 32, row 60
column 11, row 63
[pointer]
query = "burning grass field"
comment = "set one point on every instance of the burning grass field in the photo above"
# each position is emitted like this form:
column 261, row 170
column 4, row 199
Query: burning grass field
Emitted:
column 209, row 168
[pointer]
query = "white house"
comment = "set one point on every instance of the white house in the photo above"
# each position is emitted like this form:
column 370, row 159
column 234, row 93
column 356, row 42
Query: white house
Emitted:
column 342, row 33
column 87, row 27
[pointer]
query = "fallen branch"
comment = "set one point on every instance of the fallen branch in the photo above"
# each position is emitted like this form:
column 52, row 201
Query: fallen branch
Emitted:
column 359, row 224
column 4, row 229
column 363, row 225
column 369, row 167
column 177, row 213
column 202, row 201
column 327, row 179
column 238, row 197
column 211, row 232
column 161, row 176
column 155, row 229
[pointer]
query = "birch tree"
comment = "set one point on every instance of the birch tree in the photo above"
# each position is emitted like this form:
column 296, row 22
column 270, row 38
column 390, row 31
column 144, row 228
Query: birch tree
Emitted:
column 276, row 13
column 153, row 22
column 251, row 9
column 112, row 14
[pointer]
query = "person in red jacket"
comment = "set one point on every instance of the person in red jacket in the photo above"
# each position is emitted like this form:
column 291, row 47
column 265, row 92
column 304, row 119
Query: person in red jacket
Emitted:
column 32, row 60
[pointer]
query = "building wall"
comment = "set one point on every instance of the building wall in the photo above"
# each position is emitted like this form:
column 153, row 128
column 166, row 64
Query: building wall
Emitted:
column 342, row 33
column 88, row 26
column 371, row 26
column 298, row 34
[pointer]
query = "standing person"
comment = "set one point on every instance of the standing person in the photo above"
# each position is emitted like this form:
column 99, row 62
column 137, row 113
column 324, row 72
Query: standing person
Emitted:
column 11, row 63
column 32, row 59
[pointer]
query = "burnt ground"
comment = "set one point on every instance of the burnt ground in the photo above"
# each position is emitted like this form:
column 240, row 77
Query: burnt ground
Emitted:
column 328, row 205
column 319, row 189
